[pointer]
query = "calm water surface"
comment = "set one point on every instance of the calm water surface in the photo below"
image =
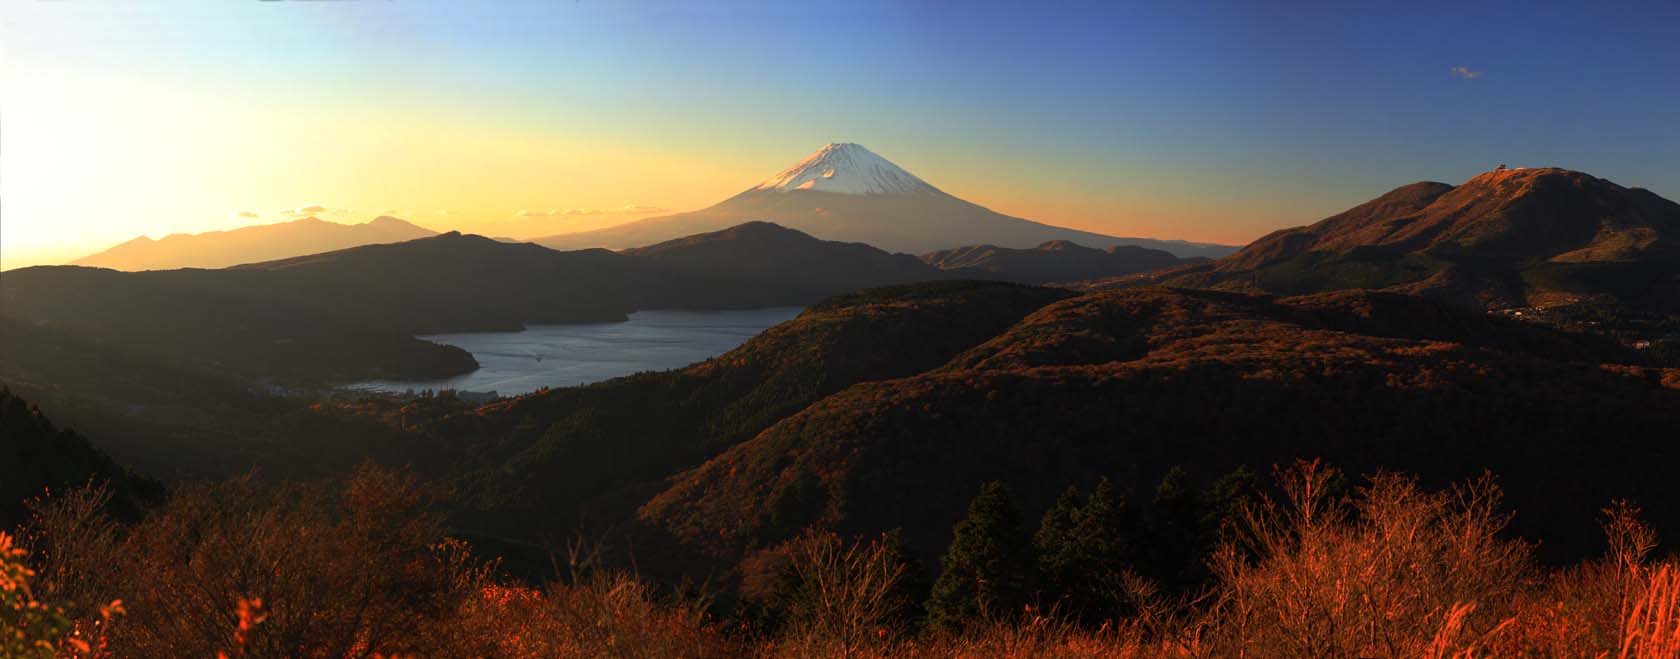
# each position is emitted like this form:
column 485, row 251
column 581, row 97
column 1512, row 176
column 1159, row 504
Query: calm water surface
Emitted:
column 565, row 355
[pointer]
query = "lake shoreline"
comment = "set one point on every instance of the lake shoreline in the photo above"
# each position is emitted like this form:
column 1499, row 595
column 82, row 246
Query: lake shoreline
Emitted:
column 573, row 354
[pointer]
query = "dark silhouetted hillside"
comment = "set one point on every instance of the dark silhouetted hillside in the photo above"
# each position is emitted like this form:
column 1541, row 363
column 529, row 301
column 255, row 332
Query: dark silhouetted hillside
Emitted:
column 762, row 264
column 236, row 325
column 1055, row 261
column 349, row 315
column 36, row 456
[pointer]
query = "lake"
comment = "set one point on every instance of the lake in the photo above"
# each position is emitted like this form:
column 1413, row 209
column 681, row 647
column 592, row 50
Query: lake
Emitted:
column 511, row 363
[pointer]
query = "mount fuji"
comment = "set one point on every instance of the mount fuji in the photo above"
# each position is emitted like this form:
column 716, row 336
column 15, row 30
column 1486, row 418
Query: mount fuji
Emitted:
column 846, row 192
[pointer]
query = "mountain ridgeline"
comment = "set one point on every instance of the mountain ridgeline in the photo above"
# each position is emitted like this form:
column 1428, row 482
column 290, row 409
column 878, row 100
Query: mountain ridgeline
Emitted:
column 1054, row 261
column 1503, row 239
column 351, row 314
column 265, row 242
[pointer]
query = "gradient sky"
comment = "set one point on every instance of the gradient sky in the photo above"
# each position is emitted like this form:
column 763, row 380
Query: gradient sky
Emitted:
column 1211, row 121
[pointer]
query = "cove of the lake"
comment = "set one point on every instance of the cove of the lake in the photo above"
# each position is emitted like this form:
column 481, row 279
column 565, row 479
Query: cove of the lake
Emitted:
column 511, row 363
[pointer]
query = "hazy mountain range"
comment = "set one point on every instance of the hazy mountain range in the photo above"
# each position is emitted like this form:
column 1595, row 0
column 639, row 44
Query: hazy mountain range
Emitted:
column 842, row 192
column 265, row 242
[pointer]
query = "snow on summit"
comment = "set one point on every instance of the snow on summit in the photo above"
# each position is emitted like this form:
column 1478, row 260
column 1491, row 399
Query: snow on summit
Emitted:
column 847, row 168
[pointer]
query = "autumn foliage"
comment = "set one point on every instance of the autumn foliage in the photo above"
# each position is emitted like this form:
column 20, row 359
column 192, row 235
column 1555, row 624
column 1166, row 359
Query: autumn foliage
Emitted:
column 363, row 568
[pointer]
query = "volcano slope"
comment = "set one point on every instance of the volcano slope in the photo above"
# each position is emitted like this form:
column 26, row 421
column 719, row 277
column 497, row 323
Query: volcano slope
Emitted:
column 1127, row 383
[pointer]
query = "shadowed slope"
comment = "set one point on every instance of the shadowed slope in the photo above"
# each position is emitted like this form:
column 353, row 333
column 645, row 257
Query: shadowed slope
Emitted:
column 36, row 456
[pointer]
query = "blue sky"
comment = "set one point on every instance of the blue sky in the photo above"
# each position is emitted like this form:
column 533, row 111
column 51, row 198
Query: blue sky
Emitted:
column 1211, row 121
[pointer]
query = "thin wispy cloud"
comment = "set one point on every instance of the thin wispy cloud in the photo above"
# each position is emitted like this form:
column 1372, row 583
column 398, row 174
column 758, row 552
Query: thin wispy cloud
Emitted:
column 628, row 209
column 247, row 214
column 313, row 209
column 1464, row 73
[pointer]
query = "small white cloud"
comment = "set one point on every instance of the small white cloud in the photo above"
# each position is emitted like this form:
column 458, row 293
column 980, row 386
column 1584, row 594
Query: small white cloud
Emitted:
column 442, row 211
column 247, row 214
column 1464, row 73
column 390, row 211
column 527, row 213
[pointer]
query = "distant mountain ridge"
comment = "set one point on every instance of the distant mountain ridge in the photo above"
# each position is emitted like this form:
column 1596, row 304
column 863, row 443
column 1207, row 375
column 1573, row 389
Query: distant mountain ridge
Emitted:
column 779, row 265
column 846, row 192
column 263, row 242
column 351, row 313
column 1505, row 238
column 1054, row 261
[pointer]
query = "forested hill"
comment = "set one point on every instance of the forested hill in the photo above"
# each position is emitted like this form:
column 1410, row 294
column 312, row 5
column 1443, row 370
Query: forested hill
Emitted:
column 1126, row 384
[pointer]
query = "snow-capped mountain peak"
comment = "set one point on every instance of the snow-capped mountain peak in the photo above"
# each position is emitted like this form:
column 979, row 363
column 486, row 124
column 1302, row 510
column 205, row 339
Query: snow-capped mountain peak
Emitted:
column 847, row 168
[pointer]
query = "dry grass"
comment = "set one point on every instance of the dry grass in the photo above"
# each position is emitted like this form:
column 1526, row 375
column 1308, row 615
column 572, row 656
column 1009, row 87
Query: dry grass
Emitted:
column 604, row 615
column 1651, row 627
column 1395, row 572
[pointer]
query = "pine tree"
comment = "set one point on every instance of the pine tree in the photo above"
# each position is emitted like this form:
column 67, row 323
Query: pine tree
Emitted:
column 1177, row 536
column 911, row 590
column 988, row 570
column 1227, row 498
column 1054, row 544
column 1085, row 549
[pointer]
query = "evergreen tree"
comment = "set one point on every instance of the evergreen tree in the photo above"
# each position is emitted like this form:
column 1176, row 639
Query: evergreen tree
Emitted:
column 912, row 588
column 988, row 569
column 1227, row 497
column 1085, row 550
column 1053, row 541
column 1177, row 536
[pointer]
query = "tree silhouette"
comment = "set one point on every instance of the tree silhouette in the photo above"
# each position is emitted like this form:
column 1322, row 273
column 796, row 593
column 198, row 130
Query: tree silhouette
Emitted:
column 1085, row 550
column 988, row 570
